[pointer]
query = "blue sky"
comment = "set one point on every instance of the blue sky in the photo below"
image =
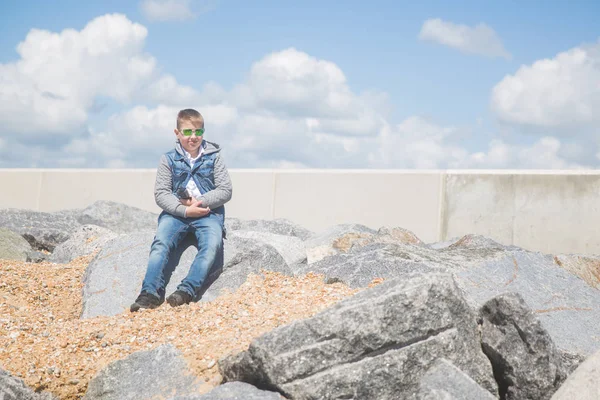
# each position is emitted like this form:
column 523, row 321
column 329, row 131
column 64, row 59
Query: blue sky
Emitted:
column 426, row 103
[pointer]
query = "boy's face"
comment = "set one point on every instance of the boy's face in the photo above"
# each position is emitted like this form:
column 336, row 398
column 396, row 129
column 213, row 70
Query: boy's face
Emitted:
column 191, row 143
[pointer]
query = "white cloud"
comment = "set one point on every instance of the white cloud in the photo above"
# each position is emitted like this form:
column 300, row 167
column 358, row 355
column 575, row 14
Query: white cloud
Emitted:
column 416, row 143
column 293, row 111
column 293, row 83
column 52, row 83
column 562, row 92
column 545, row 153
column 174, row 10
column 59, row 76
column 480, row 39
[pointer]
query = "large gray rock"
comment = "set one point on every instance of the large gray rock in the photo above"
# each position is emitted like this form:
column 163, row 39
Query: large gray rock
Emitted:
column 587, row 267
column 12, row 388
column 43, row 231
column 340, row 239
column 584, row 383
column 13, row 246
column 334, row 240
column 377, row 344
column 444, row 381
column 526, row 363
column 279, row 226
column 291, row 248
column 118, row 217
column 567, row 307
column 244, row 256
column 84, row 241
column 157, row 373
column 113, row 279
column 234, row 391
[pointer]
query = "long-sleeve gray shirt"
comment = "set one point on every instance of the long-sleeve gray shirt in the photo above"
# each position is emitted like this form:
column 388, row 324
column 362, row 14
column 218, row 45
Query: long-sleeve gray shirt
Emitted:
column 163, row 188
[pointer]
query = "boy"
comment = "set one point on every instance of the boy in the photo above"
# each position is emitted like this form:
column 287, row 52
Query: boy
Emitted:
column 192, row 185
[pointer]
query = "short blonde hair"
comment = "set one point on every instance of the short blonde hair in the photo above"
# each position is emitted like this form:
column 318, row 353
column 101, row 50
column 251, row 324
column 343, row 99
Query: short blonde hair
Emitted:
column 189, row 115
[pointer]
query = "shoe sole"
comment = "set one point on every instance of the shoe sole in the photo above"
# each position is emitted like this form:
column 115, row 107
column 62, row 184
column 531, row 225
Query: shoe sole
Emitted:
column 136, row 307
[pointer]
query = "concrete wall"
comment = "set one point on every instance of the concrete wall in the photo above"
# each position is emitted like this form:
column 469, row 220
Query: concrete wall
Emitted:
column 548, row 211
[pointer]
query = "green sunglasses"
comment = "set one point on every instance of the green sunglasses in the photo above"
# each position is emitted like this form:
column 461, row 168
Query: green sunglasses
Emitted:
column 188, row 132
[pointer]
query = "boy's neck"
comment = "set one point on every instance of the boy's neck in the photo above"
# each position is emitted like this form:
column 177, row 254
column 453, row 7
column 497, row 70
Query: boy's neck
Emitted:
column 193, row 154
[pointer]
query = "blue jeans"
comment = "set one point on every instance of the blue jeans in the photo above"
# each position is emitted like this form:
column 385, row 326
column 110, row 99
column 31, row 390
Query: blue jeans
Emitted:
column 170, row 233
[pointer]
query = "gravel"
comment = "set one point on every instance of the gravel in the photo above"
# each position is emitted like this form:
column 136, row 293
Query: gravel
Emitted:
column 43, row 341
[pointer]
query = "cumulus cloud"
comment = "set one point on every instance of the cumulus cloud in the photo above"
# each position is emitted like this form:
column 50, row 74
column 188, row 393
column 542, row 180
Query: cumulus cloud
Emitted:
column 480, row 39
column 545, row 153
column 55, row 83
column 292, row 111
column 562, row 92
column 174, row 10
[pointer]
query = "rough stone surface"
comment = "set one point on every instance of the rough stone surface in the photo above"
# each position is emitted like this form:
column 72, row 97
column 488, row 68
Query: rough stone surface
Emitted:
column 525, row 361
column 37, row 256
column 234, row 391
column 355, row 348
column 117, row 217
column 335, row 239
column 114, row 278
column 584, row 383
column 157, row 373
column 443, row 381
column 340, row 239
column 12, row 388
column 43, row 231
column 291, row 248
column 13, row 246
column 585, row 267
column 242, row 257
column 567, row 307
column 443, row 244
column 84, row 241
column 277, row 226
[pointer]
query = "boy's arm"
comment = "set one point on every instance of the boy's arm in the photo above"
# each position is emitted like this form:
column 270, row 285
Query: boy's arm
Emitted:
column 223, row 190
column 163, row 190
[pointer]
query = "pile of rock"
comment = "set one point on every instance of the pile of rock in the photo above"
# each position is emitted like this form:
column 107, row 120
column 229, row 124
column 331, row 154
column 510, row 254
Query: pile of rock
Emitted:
column 465, row 319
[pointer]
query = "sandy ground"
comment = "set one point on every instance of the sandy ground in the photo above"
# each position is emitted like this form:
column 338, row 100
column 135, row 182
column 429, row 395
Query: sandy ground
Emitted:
column 43, row 341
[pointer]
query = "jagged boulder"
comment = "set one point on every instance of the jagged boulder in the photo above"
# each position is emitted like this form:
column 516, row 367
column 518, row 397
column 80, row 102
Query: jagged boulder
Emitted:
column 584, row 383
column 377, row 344
column 43, row 231
column 113, row 279
column 334, row 240
column 157, row 373
column 526, row 362
column 566, row 306
column 12, row 388
column 234, row 391
column 13, row 246
column 117, row 217
column 587, row 267
column 278, row 226
column 86, row 240
column 340, row 239
column 291, row 248
column 443, row 381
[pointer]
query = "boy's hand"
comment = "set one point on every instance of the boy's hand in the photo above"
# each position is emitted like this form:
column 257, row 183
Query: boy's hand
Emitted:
column 188, row 202
column 196, row 210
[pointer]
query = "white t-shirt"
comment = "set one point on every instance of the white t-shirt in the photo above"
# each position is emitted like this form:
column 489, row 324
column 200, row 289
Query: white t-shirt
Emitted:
column 191, row 186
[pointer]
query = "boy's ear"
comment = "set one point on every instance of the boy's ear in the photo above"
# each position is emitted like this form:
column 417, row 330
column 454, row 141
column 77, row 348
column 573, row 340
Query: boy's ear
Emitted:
column 175, row 131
